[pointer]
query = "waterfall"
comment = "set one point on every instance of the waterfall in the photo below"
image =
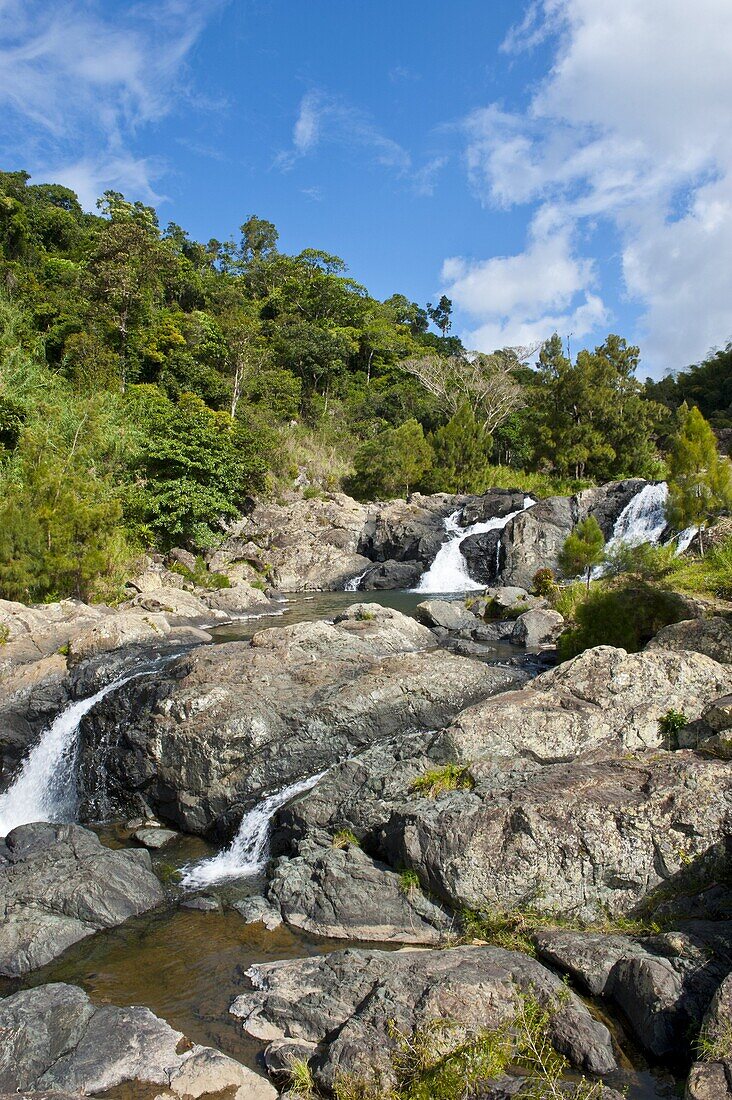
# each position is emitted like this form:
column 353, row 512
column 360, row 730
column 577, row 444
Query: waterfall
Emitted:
column 247, row 854
column 643, row 519
column 352, row 585
column 449, row 571
column 45, row 788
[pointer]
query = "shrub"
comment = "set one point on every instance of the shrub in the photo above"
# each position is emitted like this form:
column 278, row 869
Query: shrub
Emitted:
column 451, row 777
column 343, row 838
column 543, row 582
column 671, row 724
column 409, row 882
column 200, row 576
column 627, row 616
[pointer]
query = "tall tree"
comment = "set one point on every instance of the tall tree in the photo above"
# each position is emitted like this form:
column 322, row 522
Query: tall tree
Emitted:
column 583, row 549
column 700, row 480
column 485, row 383
column 441, row 313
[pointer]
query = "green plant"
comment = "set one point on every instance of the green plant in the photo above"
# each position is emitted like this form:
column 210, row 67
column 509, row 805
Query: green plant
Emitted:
column 259, row 584
column 301, row 1081
column 409, row 882
column 543, row 582
column 201, row 576
column 583, row 549
column 345, row 837
column 624, row 614
column 451, row 777
column 63, row 650
column 670, row 725
column 715, row 1041
column 511, row 930
column 5, row 634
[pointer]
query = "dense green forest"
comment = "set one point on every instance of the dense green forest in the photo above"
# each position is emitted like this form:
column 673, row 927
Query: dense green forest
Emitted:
column 151, row 385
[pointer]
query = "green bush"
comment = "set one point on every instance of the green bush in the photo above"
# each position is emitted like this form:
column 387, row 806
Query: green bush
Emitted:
column 543, row 582
column 671, row 724
column 627, row 616
column 451, row 777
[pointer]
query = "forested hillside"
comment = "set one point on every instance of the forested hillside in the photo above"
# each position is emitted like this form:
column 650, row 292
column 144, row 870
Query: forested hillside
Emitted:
column 151, row 384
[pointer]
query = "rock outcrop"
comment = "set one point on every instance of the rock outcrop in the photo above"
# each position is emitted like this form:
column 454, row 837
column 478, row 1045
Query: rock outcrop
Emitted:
column 711, row 1078
column 59, row 885
column 224, row 725
column 54, row 1039
column 342, row 1002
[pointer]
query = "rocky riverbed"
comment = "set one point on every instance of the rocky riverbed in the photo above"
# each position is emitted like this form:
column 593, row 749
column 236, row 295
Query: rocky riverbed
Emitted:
column 345, row 826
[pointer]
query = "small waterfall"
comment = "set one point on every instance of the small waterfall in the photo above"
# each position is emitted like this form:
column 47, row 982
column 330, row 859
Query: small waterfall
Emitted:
column 248, row 851
column 643, row 519
column 45, row 788
column 449, row 571
column 352, row 585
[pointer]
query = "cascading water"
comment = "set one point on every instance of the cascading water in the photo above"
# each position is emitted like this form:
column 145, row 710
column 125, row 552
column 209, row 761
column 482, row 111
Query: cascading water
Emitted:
column 449, row 570
column 247, row 853
column 45, row 789
column 353, row 584
column 643, row 519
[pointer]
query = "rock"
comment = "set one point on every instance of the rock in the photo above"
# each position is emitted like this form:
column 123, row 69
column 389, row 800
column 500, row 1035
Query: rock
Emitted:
column 662, row 984
column 342, row 893
column 494, row 632
column 257, row 910
column 182, row 557
column 450, row 614
column 202, row 902
column 59, row 885
column 343, row 1002
column 391, row 575
column 591, row 838
column 712, row 637
column 53, row 1038
column 128, row 628
column 534, row 539
column 711, row 1079
column 718, row 714
column 216, row 730
column 603, row 697
column 30, row 696
column 34, row 632
column 155, row 838
column 495, row 504
column 537, row 628
column 400, row 531
column 281, row 1053
column 511, row 600
column 482, row 555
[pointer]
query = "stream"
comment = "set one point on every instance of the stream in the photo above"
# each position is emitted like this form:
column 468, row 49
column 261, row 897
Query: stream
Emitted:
column 185, row 964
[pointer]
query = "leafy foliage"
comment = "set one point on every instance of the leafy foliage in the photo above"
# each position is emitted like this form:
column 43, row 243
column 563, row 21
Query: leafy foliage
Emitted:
column 626, row 615
column 583, row 549
column 451, row 777
column 700, row 480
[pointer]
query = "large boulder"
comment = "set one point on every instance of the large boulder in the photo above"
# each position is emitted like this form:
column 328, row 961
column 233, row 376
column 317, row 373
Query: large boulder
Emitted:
column 222, row 726
column 713, row 637
column 59, row 885
column 495, row 504
column 54, row 1039
column 351, row 1003
column 589, row 838
column 483, row 556
column 537, row 628
column 407, row 531
column 447, row 614
column 30, row 695
column 390, row 575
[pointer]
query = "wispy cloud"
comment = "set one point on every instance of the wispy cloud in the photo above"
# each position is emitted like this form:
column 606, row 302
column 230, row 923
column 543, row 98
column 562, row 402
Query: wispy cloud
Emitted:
column 324, row 119
column 78, row 83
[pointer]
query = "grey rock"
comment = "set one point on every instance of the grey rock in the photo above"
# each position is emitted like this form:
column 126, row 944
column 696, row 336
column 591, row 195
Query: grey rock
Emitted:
column 711, row 1079
column 59, row 885
column 222, row 726
column 342, row 893
column 495, row 504
column 204, row 903
column 257, row 910
column 483, row 556
column 718, row 714
column 343, row 1002
column 401, row 531
column 182, row 557
column 537, row 628
column 494, row 632
column 534, row 539
column 155, row 838
column 450, row 614
column 391, row 575
column 31, row 694
column 53, row 1038
column 712, row 637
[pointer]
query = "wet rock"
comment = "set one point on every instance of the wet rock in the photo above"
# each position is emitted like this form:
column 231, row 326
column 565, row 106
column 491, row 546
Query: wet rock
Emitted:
column 482, row 555
column 343, row 1002
column 401, row 531
column 451, row 615
column 257, row 910
column 155, row 838
column 30, row 696
column 712, row 637
column 59, row 885
column 214, row 731
column 53, row 1038
column 204, row 903
column 663, row 984
column 391, row 575
column 495, row 504
column 341, row 893
column 711, row 1079
column 537, row 628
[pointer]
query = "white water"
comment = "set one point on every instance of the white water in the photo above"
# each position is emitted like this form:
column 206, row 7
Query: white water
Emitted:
column 352, row 585
column 449, row 570
column 247, row 854
column 45, row 789
column 643, row 519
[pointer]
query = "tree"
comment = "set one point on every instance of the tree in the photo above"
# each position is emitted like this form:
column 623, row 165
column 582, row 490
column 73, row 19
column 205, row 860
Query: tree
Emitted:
column 700, row 480
column 583, row 549
column 486, row 383
column 461, row 455
column 393, row 462
column 440, row 314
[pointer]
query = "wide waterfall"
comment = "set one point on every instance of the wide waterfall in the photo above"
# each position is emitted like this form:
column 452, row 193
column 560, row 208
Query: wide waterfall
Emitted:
column 449, row 571
column 248, row 851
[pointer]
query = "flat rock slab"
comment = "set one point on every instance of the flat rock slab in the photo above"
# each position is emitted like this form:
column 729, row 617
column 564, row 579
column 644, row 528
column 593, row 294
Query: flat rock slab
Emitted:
column 58, row 884
column 155, row 838
column 344, row 1002
column 52, row 1038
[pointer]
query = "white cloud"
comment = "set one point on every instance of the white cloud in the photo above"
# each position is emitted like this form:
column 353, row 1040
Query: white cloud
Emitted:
column 76, row 86
column 632, row 124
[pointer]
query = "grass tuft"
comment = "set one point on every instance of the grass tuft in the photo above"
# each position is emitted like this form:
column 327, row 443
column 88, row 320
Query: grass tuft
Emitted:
column 451, row 777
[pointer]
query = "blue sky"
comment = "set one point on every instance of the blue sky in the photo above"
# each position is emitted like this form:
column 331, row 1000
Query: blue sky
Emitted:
column 558, row 164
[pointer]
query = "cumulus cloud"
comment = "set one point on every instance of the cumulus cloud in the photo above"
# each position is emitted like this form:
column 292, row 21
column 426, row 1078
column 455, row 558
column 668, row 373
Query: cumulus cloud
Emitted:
column 77, row 84
column 633, row 124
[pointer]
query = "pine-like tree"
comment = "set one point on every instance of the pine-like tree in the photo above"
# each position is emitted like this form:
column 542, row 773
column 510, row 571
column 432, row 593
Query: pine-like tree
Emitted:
column 700, row 480
column 583, row 549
